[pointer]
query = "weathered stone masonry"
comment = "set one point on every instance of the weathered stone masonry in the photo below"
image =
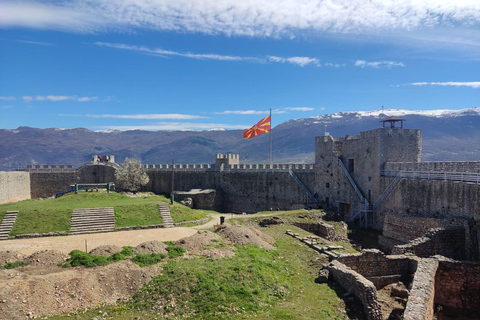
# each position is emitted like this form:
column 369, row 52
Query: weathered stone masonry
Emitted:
column 14, row 186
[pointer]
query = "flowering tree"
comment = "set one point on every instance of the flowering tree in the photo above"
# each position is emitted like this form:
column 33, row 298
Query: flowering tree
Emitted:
column 131, row 176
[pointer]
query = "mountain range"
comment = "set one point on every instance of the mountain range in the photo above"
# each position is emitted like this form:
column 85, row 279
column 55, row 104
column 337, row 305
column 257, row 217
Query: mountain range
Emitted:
column 448, row 135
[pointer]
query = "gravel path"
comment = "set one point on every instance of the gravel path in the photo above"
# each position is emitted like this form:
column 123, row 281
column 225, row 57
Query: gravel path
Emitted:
column 132, row 238
column 66, row 244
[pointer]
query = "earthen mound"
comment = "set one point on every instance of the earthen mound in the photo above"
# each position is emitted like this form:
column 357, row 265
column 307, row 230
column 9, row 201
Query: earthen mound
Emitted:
column 199, row 240
column 265, row 237
column 10, row 256
column 243, row 235
column 106, row 250
column 207, row 244
column 149, row 247
column 46, row 258
column 218, row 253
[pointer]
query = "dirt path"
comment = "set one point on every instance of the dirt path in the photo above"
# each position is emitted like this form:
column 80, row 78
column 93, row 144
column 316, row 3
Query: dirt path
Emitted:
column 132, row 238
column 66, row 244
column 215, row 218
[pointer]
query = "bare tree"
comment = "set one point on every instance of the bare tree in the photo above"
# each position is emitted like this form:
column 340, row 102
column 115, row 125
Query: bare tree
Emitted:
column 131, row 176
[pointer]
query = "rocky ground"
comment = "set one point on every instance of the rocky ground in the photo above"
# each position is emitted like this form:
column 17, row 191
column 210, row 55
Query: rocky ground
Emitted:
column 43, row 288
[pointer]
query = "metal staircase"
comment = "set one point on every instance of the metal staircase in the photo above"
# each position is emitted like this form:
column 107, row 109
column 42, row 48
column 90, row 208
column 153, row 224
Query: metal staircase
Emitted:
column 364, row 214
column 304, row 188
column 389, row 190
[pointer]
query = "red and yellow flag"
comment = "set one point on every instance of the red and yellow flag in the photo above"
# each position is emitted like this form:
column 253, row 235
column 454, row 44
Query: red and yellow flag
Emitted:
column 263, row 126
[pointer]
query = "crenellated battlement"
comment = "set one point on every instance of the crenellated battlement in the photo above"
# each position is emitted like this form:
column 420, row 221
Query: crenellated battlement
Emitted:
column 49, row 168
column 234, row 167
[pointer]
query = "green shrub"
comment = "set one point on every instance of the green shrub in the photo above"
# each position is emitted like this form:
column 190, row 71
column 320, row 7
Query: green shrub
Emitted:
column 175, row 251
column 16, row 264
column 116, row 257
column 148, row 259
column 80, row 258
column 127, row 251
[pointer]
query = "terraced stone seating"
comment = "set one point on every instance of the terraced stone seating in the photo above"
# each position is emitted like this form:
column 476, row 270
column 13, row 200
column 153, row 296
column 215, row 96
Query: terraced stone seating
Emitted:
column 92, row 220
column 7, row 224
column 166, row 216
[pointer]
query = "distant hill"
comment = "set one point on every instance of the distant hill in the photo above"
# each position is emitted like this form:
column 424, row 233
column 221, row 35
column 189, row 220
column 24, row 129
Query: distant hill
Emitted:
column 447, row 136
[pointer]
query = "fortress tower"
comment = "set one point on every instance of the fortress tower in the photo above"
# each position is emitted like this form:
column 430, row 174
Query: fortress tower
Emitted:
column 363, row 157
column 226, row 160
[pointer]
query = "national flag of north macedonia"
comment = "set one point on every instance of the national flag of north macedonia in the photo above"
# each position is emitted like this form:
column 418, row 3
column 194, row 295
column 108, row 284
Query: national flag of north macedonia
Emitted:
column 263, row 126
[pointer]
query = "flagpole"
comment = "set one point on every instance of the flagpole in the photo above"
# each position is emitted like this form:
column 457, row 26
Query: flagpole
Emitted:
column 271, row 164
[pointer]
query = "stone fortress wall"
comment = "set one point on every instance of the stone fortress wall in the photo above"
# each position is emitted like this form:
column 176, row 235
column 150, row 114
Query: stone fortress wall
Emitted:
column 14, row 186
column 247, row 191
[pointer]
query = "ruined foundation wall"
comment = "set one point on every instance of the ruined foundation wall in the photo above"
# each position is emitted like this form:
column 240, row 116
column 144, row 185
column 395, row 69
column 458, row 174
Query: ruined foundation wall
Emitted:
column 14, row 186
column 450, row 243
column 405, row 228
column 420, row 304
column 379, row 268
column 437, row 200
column 360, row 287
column 320, row 229
column 458, row 285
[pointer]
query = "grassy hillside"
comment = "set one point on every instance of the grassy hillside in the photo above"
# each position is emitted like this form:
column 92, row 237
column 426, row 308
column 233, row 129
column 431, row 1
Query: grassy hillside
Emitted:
column 53, row 215
column 254, row 284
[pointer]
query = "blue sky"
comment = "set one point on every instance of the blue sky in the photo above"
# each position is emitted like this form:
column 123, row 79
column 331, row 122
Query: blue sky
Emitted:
column 201, row 65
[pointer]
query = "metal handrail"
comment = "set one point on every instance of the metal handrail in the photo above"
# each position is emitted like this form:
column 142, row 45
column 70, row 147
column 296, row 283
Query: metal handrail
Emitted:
column 389, row 190
column 352, row 182
column 304, row 188
column 471, row 177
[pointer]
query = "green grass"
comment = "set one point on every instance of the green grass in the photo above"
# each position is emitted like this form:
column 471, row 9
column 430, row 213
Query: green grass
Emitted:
column 255, row 283
column 79, row 258
column 53, row 215
column 175, row 251
column 148, row 259
column 12, row 265
column 181, row 213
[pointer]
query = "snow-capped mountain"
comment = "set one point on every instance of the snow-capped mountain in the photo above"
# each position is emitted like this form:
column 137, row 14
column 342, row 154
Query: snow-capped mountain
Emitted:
column 448, row 135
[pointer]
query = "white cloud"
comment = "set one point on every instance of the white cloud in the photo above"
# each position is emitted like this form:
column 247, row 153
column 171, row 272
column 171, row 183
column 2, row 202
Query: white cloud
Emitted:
column 161, row 52
column 301, row 61
column 378, row 64
column 243, row 112
column 334, row 65
column 86, row 99
column 263, row 18
column 8, row 98
column 35, row 42
column 300, row 109
column 53, row 98
column 50, row 16
column 167, row 116
column 472, row 84
column 57, row 98
column 6, row 107
column 182, row 126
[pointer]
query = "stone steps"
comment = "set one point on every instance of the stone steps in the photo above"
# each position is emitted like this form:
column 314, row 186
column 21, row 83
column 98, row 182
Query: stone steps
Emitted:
column 92, row 220
column 7, row 224
column 166, row 216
